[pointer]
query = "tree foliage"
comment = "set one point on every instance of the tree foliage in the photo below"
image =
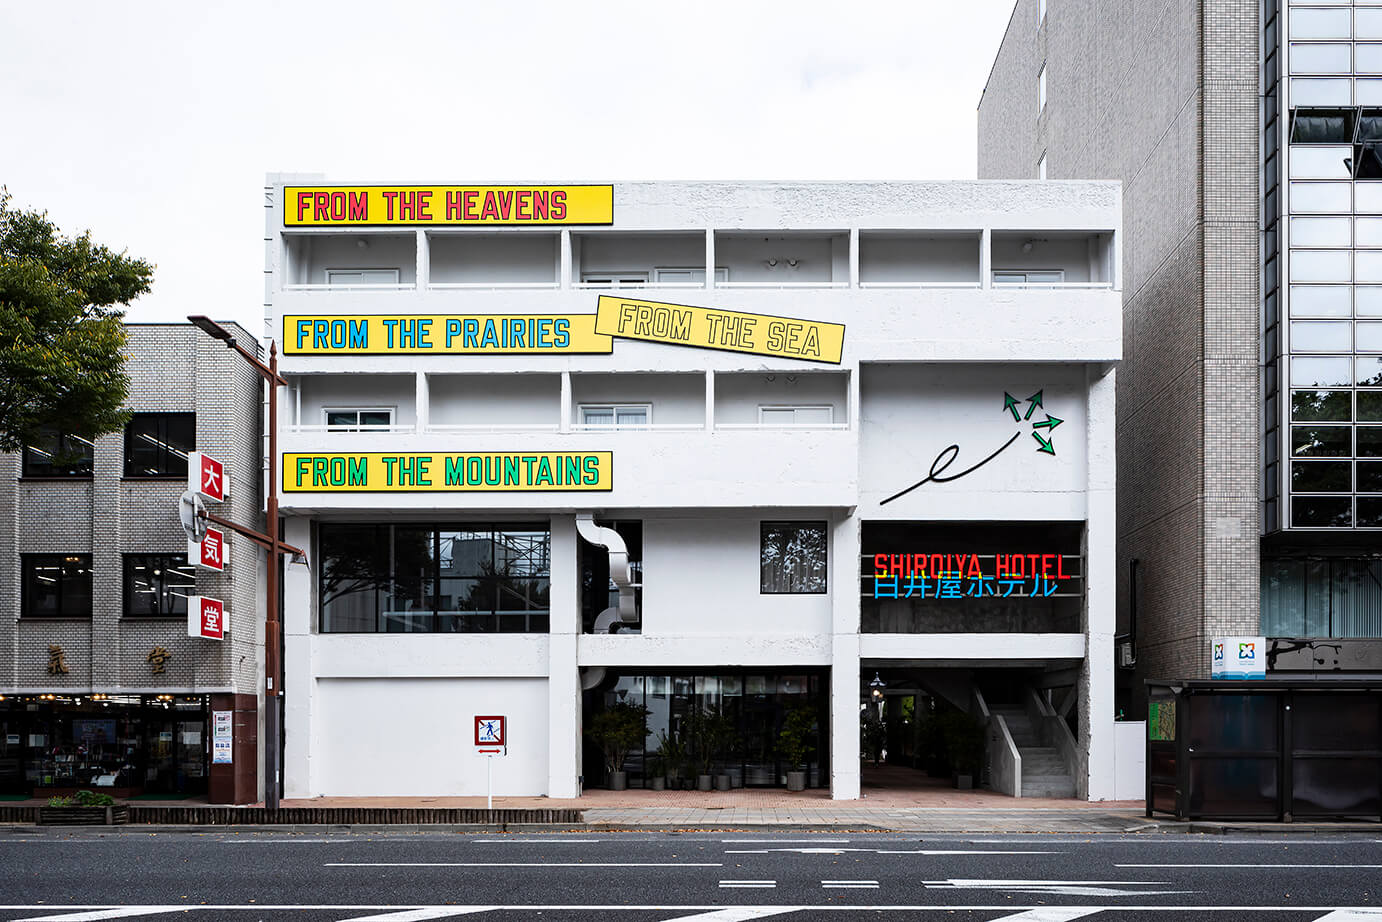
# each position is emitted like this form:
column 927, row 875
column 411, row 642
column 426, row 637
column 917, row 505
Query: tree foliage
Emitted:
column 61, row 335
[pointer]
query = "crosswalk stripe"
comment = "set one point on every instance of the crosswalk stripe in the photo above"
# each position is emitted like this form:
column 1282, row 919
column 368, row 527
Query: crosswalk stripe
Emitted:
column 417, row 915
column 736, row 914
column 1051, row 914
column 116, row 912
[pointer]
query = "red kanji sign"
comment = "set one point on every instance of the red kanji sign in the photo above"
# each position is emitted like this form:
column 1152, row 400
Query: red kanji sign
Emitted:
column 212, row 552
column 206, row 617
column 207, row 477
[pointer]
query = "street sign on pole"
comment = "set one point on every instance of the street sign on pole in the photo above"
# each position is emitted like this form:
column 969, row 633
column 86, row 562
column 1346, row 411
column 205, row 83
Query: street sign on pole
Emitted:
column 206, row 618
column 212, row 552
column 490, row 741
column 207, row 477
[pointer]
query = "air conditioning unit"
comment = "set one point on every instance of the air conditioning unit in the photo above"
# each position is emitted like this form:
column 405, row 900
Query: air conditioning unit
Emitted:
column 1126, row 657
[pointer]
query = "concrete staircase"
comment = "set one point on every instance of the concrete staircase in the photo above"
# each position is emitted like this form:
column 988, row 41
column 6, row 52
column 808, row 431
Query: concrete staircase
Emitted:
column 1044, row 772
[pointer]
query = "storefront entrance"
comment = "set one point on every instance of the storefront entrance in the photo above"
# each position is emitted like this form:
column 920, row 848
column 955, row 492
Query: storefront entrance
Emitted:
column 125, row 745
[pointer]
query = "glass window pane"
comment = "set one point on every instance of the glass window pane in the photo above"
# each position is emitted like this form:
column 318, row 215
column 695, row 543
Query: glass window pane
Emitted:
column 1368, row 337
column 1320, row 24
column 1370, row 125
column 1369, row 301
column 1321, row 126
column 1321, row 266
column 1368, row 266
column 632, row 416
column 1321, row 441
column 1370, row 476
column 156, row 444
column 1321, row 336
column 1321, row 91
column 1369, row 372
column 1369, row 513
column 1322, row 301
column 1369, row 406
column 158, row 584
column 354, row 571
column 1309, row 162
column 793, row 557
column 1320, row 372
column 1367, row 231
column 1314, row 406
column 1319, row 59
column 1368, row 91
column 342, row 418
column 376, row 417
column 1307, row 197
column 1321, row 476
column 1368, row 59
column 1369, row 441
column 1321, row 512
column 1324, row 232
column 465, row 552
column 598, row 416
column 1367, row 24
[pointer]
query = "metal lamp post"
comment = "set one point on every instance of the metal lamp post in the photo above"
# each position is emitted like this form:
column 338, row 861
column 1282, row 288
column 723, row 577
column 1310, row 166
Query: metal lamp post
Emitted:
column 273, row 679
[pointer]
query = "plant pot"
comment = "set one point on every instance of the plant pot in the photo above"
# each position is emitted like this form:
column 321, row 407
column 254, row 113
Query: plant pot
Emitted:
column 658, row 783
column 964, row 782
column 618, row 781
column 83, row 816
column 796, row 781
column 703, row 782
column 722, row 782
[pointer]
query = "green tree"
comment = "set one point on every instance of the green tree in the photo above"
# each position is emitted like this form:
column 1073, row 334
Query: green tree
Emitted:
column 61, row 337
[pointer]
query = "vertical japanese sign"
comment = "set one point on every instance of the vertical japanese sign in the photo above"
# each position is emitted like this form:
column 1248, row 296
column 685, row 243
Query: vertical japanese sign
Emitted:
column 207, row 477
column 222, row 735
column 212, row 552
column 206, row 618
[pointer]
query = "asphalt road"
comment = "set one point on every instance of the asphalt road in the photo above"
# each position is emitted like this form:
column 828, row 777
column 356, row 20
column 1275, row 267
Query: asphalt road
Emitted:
column 712, row 877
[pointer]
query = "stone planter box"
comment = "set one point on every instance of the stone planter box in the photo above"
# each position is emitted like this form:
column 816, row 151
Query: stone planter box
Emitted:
column 83, row 816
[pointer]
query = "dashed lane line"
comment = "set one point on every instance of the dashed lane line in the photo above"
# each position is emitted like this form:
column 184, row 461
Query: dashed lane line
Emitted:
column 1050, row 914
column 111, row 912
column 522, row 864
column 736, row 914
column 849, row 885
column 748, row 884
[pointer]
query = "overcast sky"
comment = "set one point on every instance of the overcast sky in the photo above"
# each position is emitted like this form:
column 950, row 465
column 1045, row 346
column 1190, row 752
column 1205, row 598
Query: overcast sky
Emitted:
column 153, row 124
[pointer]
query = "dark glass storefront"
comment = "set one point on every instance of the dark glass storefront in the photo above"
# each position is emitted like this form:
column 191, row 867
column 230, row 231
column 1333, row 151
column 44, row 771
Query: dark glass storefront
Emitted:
column 746, row 708
column 120, row 744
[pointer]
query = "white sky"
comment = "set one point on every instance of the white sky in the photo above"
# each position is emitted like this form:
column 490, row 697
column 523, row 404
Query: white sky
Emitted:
column 153, row 124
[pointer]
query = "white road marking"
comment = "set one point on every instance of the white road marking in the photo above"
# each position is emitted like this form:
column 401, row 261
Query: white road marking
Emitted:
column 1352, row 915
column 537, row 841
column 735, row 914
column 784, row 841
column 116, row 912
column 1334, row 913
column 520, row 864
column 418, row 915
column 747, row 884
column 1056, row 887
column 288, row 841
column 1248, row 865
column 1050, row 914
column 882, row 851
column 849, row 884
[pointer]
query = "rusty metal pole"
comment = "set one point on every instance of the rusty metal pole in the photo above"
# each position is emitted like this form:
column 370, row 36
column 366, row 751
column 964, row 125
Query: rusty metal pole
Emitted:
column 273, row 684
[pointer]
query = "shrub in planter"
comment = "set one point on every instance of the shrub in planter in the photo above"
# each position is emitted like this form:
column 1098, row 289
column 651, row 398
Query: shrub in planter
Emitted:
column 84, row 808
column 794, row 744
column 965, row 742
column 618, row 729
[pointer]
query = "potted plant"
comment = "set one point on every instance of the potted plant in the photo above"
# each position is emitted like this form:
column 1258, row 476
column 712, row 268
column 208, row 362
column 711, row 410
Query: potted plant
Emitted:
column 657, row 767
column 873, row 734
column 672, row 754
column 618, row 729
column 964, row 740
column 84, row 808
column 794, row 744
column 699, row 729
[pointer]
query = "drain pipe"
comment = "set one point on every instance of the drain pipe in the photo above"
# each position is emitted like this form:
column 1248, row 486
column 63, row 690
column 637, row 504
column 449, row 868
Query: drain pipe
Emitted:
column 626, row 612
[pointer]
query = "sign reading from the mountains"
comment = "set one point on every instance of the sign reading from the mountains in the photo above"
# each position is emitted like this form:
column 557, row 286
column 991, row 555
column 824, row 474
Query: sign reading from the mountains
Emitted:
column 447, row 472
column 365, row 206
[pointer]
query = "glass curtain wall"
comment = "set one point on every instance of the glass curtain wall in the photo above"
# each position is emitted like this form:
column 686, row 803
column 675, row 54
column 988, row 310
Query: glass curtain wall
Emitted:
column 1322, row 597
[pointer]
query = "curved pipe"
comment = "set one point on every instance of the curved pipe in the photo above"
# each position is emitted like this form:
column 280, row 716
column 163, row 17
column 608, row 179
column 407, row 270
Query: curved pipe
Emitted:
column 619, row 570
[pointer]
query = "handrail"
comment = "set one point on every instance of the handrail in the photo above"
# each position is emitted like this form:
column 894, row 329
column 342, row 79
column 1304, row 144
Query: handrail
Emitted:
column 470, row 286
column 782, row 284
column 1053, row 285
column 493, row 427
column 761, row 426
column 369, row 427
column 363, row 286
column 919, row 284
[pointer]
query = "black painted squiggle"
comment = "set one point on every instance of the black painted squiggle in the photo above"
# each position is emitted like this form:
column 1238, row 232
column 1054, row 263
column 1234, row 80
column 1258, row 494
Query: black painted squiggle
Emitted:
column 943, row 461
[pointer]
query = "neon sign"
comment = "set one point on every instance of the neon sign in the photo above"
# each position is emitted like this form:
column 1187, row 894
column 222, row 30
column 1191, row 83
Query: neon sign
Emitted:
column 960, row 576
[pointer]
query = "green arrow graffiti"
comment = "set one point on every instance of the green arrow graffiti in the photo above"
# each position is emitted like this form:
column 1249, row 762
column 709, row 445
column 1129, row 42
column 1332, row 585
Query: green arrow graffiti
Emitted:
column 1035, row 400
column 1049, row 423
column 1010, row 403
column 1045, row 445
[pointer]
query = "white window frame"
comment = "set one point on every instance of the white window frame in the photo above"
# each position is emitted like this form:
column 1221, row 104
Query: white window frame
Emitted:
column 327, row 411
column 614, row 280
column 1027, row 277
column 721, row 274
column 1041, row 89
column 830, row 410
column 327, row 273
column 614, row 409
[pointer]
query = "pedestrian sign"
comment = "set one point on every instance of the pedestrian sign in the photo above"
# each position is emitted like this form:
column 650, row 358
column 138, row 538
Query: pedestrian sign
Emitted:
column 489, row 734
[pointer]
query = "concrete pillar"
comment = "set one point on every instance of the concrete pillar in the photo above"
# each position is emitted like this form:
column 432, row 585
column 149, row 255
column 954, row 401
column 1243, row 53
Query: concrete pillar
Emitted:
column 1097, row 671
column 299, row 671
column 422, row 398
column 986, row 258
column 563, row 675
column 710, row 258
column 564, row 280
column 424, row 260
column 844, row 660
column 854, row 257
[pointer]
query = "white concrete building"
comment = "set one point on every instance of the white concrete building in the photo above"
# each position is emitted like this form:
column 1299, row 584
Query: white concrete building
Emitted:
column 930, row 372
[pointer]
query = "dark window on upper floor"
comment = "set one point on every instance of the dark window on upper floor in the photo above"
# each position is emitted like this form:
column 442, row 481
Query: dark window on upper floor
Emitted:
column 792, row 557
column 57, row 454
column 156, row 444
column 56, row 585
column 158, row 584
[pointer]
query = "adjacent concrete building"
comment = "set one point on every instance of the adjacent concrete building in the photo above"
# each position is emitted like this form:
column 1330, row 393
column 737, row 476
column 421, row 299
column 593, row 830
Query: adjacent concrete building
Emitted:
column 1249, row 444
column 745, row 454
column 101, row 685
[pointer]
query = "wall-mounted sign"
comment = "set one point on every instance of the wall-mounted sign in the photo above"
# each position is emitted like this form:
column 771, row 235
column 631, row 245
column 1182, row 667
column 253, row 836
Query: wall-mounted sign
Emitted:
column 212, row 552
column 961, row 576
column 448, row 472
column 364, row 206
column 222, row 736
column 1238, row 658
column 207, row 477
column 731, row 331
column 443, row 334
column 57, row 660
column 206, row 618
column 158, row 662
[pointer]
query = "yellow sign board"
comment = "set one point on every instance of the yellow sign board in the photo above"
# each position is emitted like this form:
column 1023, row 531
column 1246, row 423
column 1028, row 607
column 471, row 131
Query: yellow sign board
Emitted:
column 443, row 334
column 367, row 206
column 732, row 331
column 448, row 472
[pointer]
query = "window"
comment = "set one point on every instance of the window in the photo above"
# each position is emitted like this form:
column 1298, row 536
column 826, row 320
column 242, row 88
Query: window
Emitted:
column 355, row 419
column 617, row 416
column 1023, row 277
column 57, row 454
column 158, row 584
column 617, row 279
column 425, row 579
column 792, row 557
column 665, row 276
column 1041, row 90
column 361, row 277
column 56, row 585
column 156, row 444
column 796, row 416
column 1041, row 166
